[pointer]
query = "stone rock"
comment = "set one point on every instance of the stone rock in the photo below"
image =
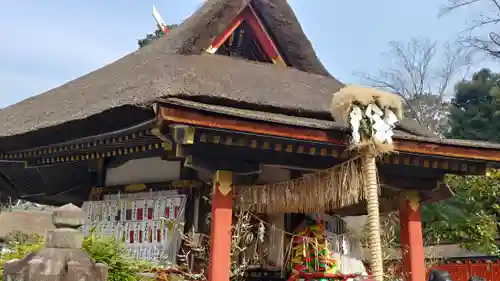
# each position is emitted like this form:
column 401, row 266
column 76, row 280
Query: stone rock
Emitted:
column 68, row 216
column 62, row 259
column 64, row 238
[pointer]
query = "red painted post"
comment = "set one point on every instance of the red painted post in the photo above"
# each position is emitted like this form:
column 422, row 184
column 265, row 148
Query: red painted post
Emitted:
column 412, row 246
column 220, row 235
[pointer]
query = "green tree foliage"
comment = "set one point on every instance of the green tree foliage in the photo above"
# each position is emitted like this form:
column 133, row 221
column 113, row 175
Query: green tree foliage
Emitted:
column 20, row 245
column 474, row 110
column 471, row 218
column 153, row 36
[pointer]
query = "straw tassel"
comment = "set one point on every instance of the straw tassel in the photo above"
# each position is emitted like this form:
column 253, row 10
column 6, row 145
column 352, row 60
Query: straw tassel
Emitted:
column 339, row 186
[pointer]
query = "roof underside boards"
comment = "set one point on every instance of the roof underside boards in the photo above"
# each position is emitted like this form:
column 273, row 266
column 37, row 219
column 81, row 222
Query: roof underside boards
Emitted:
column 54, row 185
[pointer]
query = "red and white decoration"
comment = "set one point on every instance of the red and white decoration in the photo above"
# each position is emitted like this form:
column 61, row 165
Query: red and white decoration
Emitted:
column 148, row 222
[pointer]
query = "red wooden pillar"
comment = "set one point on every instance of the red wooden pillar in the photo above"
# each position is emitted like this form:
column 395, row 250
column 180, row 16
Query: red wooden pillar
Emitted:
column 220, row 235
column 412, row 246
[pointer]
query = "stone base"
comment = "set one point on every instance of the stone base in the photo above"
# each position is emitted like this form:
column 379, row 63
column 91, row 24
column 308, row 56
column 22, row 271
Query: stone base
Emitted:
column 64, row 238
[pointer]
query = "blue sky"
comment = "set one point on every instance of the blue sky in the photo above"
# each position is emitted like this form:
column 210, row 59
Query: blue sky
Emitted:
column 47, row 43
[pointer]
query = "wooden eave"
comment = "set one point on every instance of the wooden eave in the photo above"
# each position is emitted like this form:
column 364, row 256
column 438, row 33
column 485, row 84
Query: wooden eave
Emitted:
column 139, row 139
column 143, row 139
column 207, row 140
column 454, row 157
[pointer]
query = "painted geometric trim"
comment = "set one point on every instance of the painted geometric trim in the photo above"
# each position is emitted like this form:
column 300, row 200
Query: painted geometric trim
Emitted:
column 283, row 145
column 98, row 155
column 429, row 163
column 275, row 145
column 74, row 147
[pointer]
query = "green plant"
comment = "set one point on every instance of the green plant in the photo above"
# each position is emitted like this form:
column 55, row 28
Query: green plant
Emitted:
column 122, row 267
column 19, row 245
column 471, row 217
column 17, row 237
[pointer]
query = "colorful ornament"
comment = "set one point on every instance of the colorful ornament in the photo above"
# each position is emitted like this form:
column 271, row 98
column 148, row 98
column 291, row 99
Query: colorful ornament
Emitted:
column 310, row 251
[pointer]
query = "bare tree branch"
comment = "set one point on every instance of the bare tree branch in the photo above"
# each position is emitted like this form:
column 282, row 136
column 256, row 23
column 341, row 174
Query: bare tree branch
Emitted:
column 479, row 35
column 456, row 4
column 422, row 73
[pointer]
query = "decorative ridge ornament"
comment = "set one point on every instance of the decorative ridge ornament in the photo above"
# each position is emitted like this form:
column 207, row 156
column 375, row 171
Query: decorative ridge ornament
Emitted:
column 371, row 116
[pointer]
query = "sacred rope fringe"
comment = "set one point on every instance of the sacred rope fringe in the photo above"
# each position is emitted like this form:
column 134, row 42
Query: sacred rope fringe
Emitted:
column 324, row 191
column 372, row 115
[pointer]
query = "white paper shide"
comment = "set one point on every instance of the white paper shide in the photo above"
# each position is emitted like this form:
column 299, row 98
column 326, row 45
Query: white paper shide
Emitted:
column 382, row 123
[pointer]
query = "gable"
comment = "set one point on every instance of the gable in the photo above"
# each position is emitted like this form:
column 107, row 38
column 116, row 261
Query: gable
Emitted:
column 246, row 36
column 210, row 27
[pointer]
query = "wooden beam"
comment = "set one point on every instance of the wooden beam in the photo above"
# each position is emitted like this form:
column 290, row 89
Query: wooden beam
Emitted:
column 412, row 245
column 407, row 183
column 262, row 36
column 219, row 40
column 235, row 154
column 248, row 14
column 220, row 234
column 193, row 117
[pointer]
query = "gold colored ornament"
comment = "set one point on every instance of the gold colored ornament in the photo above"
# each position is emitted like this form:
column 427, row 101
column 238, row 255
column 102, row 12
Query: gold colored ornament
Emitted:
column 223, row 181
column 413, row 199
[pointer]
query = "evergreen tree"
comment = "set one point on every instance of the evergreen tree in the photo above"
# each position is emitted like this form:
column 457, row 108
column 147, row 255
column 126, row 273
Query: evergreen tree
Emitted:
column 472, row 217
column 157, row 34
column 475, row 107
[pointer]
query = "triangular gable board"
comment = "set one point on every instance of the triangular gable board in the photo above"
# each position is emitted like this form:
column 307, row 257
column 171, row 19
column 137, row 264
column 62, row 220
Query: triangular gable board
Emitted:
column 251, row 19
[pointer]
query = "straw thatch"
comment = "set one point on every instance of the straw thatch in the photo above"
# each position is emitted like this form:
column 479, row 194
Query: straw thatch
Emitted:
column 94, row 105
column 118, row 95
column 320, row 192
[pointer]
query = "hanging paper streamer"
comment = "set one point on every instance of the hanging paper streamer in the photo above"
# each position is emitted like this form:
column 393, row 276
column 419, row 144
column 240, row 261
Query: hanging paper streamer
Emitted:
column 147, row 222
column 310, row 251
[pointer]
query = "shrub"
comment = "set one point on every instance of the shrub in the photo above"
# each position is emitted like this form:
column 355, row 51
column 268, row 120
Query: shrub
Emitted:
column 122, row 267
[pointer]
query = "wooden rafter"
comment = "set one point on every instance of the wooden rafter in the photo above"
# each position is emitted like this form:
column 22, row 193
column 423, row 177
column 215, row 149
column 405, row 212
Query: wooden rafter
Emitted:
column 219, row 40
column 262, row 36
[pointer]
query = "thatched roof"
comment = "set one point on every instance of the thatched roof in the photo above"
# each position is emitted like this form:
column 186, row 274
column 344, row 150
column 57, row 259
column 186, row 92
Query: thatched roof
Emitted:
column 26, row 221
column 118, row 94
